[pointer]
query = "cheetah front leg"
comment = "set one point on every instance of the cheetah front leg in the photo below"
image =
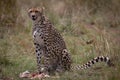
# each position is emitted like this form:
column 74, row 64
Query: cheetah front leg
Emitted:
column 44, row 60
column 49, row 62
column 39, row 51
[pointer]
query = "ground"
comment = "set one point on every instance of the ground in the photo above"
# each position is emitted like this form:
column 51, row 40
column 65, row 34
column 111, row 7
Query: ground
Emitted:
column 88, row 30
column 20, row 52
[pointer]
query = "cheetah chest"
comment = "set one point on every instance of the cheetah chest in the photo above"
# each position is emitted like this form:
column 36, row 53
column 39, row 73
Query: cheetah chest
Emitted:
column 38, row 37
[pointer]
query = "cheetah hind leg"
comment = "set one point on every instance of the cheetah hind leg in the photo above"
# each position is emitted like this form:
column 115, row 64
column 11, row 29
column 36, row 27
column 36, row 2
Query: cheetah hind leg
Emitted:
column 65, row 62
column 60, row 68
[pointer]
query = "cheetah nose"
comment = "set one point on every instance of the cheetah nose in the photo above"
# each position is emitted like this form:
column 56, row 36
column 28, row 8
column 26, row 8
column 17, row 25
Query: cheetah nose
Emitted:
column 33, row 16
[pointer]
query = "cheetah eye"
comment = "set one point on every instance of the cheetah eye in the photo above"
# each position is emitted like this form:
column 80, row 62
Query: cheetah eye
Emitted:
column 36, row 11
column 30, row 11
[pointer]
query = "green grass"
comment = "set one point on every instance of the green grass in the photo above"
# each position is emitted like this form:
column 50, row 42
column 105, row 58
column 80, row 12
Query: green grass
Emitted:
column 89, row 29
column 19, row 56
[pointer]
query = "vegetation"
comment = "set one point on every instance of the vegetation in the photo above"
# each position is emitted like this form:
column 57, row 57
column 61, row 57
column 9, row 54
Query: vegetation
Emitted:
column 90, row 28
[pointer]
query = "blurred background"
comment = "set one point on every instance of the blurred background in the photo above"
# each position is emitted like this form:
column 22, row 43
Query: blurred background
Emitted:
column 90, row 28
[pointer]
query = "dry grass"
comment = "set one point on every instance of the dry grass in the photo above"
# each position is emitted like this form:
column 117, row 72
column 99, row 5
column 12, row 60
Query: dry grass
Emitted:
column 90, row 28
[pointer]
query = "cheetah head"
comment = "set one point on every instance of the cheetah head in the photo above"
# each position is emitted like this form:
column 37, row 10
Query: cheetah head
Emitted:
column 35, row 13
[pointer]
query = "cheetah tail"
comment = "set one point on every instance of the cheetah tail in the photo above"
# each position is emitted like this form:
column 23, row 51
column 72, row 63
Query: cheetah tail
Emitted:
column 93, row 61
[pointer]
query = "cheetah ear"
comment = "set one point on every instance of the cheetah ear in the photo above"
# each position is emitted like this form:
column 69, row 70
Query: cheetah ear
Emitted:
column 41, row 9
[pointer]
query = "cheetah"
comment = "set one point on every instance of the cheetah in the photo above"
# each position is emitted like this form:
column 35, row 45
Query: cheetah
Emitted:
column 51, row 52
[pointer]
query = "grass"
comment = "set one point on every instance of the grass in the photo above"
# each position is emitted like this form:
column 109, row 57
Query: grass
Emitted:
column 87, row 33
column 20, row 56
